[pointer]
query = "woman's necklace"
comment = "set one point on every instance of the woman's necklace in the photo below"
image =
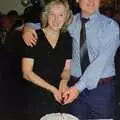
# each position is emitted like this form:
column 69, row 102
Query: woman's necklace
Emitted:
column 52, row 37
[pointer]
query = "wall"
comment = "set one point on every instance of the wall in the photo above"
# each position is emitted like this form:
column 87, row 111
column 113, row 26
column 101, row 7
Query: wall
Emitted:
column 6, row 5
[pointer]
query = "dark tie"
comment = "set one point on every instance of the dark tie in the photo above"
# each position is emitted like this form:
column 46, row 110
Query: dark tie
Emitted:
column 84, row 58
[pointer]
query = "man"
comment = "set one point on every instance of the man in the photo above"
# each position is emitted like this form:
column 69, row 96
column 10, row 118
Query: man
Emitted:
column 92, row 97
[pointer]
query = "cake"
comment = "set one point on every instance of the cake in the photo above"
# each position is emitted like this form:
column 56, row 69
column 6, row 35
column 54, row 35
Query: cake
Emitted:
column 59, row 116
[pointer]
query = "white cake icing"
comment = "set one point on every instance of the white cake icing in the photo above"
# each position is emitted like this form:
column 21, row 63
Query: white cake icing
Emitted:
column 59, row 116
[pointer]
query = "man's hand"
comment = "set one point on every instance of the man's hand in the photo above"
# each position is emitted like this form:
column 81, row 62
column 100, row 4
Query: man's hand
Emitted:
column 29, row 36
column 70, row 95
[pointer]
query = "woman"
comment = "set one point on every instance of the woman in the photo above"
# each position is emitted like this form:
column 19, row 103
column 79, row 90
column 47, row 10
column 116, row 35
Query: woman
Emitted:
column 46, row 67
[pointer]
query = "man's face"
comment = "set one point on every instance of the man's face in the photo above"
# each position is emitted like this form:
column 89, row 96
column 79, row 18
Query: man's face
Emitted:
column 88, row 7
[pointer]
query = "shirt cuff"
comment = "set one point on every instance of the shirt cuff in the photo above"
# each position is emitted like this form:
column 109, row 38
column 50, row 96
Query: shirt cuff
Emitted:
column 33, row 25
column 80, row 85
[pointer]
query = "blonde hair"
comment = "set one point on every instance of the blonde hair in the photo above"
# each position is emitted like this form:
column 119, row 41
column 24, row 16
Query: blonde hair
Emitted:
column 45, row 11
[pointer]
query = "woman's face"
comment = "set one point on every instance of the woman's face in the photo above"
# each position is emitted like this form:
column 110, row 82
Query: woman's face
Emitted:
column 56, row 17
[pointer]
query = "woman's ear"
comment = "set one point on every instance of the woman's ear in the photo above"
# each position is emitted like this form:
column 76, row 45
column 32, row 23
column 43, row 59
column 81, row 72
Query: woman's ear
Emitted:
column 77, row 1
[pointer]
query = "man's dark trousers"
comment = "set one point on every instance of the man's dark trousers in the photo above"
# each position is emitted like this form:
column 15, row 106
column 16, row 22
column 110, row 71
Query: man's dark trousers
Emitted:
column 98, row 103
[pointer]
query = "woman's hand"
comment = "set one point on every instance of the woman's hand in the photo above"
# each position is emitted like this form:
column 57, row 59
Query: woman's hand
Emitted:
column 56, row 94
column 63, row 86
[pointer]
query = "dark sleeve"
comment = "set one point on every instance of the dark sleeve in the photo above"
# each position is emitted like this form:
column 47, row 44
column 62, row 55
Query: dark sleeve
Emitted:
column 68, row 46
column 27, row 51
column 31, row 52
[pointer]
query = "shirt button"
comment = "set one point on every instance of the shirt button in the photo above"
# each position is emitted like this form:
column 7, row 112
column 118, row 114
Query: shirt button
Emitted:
column 49, row 53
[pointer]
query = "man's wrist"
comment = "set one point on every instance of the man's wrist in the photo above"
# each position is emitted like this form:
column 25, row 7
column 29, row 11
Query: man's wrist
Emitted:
column 80, row 86
column 30, row 26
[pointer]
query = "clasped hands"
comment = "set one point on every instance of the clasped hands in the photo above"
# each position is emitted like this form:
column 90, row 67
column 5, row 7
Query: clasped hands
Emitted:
column 65, row 95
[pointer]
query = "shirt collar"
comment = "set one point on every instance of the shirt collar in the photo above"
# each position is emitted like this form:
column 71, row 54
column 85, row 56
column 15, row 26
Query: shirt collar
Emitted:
column 94, row 16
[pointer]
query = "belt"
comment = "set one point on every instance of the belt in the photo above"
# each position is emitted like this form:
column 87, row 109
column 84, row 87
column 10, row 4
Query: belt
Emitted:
column 102, row 81
column 105, row 81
